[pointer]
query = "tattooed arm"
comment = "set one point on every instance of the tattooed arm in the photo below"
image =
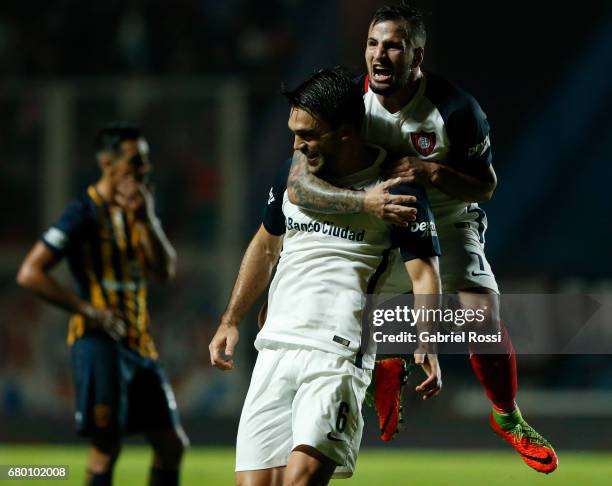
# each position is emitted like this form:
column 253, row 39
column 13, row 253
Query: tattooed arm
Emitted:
column 307, row 190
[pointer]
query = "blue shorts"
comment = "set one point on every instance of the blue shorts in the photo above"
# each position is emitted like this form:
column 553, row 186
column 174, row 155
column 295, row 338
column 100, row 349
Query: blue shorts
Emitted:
column 119, row 392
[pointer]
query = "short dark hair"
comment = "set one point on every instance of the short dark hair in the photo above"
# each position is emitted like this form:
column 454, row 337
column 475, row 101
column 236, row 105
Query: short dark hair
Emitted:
column 110, row 136
column 330, row 95
column 417, row 34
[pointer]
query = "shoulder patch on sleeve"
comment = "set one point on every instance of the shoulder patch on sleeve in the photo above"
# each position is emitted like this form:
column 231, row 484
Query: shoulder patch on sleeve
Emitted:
column 56, row 238
column 480, row 148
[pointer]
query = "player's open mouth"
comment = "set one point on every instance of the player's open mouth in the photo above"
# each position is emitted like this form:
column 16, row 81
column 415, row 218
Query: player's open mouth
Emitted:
column 381, row 74
column 310, row 155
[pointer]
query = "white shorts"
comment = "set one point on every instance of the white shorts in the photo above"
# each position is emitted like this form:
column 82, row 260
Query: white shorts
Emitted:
column 301, row 397
column 463, row 264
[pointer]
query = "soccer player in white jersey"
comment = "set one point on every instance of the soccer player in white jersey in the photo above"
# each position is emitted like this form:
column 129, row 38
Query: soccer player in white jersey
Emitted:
column 302, row 414
column 445, row 135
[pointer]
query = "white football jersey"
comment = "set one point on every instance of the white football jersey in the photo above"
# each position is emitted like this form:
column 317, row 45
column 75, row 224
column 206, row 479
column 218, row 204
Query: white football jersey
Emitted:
column 440, row 123
column 329, row 264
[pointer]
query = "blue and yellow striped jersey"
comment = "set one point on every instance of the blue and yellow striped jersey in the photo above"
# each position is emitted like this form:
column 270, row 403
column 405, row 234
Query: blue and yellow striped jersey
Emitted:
column 103, row 248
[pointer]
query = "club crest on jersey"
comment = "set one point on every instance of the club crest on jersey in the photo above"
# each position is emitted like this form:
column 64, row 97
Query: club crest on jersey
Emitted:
column 423, row 142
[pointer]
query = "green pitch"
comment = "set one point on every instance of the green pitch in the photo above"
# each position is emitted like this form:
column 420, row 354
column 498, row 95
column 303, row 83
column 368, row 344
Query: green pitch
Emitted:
column 214, row 467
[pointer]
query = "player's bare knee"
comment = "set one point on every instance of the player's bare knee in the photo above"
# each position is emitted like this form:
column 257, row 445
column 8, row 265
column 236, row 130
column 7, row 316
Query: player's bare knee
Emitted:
column 261, row 477
column 308, row 467
column 486, row 322
column 169, row 447
column 305, row 478
column 484, row 305
column 103, row 455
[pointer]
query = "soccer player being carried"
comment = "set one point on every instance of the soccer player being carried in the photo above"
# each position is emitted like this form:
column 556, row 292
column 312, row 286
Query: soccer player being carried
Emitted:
column 444, row 136
column 302, row 414
column 113, row 240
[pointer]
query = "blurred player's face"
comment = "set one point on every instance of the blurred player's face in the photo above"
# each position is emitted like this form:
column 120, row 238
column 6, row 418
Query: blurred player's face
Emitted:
column 132, row 161
column 389, row 57
column 314, row 138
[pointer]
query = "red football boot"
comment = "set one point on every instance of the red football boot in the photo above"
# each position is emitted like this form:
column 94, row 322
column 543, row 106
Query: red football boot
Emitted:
column 534, row 449
column 390, row 376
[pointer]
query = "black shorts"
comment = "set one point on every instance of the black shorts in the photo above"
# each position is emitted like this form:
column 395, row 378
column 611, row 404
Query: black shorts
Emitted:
column 119, row 392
